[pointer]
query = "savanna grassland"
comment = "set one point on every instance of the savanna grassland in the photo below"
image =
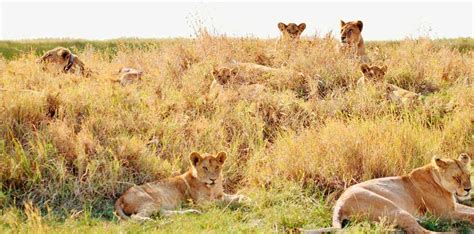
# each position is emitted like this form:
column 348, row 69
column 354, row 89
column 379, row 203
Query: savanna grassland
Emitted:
column 70, row 145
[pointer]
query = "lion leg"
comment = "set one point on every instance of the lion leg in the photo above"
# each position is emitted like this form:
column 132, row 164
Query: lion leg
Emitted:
column 462, row 213
column 168, row 213
column 234, row 198
column 464, row 208
column 144, row 212
column 376, row 208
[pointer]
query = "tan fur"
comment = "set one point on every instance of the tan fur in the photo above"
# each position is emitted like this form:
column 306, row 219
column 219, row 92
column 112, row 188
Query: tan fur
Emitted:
column 227, row 86
column 351, row 38
column 203, row 182
column 291, row 31
column 129, row 75
column 401, row 199
column 235, row 75
column 371, row 73
column 64, row 58
column 402, row 96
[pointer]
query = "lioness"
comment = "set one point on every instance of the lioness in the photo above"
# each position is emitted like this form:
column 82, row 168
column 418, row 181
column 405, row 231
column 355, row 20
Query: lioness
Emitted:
column 401, row 199
column 291, row 31
column 65, row 58
column 351, row 38
column 371, row 73
column 203, row 182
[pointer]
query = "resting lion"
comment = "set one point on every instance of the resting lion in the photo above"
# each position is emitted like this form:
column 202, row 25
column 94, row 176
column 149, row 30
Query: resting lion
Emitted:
column 66, row 59
column 203, row 182
column 129, row 75
column 351, row 38
column 402, row 199
column 258, row 78
column 402, row 96
column 371, row 73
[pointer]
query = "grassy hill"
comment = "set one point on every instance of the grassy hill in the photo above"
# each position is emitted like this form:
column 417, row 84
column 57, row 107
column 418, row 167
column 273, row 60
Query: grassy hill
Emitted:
column 69, row 145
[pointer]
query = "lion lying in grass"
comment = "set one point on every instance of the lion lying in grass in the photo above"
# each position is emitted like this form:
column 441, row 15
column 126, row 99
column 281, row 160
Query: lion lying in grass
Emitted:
column 65, row 59
column 255, row 78
column 401, row 199
column 401, row 96
column 203, row 182
column 129, row 75
column 371, row 74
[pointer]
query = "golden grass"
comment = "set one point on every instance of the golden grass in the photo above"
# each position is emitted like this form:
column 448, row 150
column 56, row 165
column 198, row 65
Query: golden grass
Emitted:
column 69, row 143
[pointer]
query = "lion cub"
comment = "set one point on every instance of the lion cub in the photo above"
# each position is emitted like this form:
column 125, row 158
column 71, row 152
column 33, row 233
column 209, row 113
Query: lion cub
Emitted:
column 351, row 38
column 291, row 31
column 129, row 75
column 401, row 96
column 65, row 59
column 258, row 76
column 227, row 84
column 371, row 73
column 402, row 199
column 203, row 182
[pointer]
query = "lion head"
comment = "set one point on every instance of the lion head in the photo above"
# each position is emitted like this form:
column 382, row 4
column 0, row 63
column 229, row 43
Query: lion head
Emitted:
column 224, row 75
column 373, row 72
column 292, row 30
column 207, row 168
column 351, row 32
column 56, row 55
column 454, row 174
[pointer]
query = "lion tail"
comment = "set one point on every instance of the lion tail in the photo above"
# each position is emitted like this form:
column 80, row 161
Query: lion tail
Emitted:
column 119, row 209
column 338, row 216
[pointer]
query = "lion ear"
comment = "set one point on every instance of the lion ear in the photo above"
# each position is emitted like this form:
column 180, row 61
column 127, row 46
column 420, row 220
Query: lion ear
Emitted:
column 364, row 68
column 221, row 156
column 195, row 158
column 440, row 163
column 342, row 23
column 301, row 27
column 384, row 68
column 464, row 158
column 215, row 72
column 282, row 26
column 360, row 25
column 234, row 71
column 65, row 54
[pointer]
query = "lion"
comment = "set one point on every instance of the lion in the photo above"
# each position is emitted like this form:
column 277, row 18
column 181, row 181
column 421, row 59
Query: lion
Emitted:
column 129, row 75
column 402, row 96
column 291, row 31
column 351, row 38
column 240, row 73
column 226, row 81
column 64, row 58
column 371, row 73
column 202, row 182
column 402, row 199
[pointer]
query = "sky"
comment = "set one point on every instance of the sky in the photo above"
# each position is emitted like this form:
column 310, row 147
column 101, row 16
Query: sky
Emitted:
column 383, row 20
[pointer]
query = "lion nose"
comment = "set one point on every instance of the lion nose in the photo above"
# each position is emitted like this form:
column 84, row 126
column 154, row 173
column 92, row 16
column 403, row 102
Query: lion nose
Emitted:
column 213, row 180
column 343, row 38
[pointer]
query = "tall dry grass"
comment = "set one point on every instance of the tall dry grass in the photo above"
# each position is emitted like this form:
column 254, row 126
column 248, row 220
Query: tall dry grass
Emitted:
column 68, row 143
